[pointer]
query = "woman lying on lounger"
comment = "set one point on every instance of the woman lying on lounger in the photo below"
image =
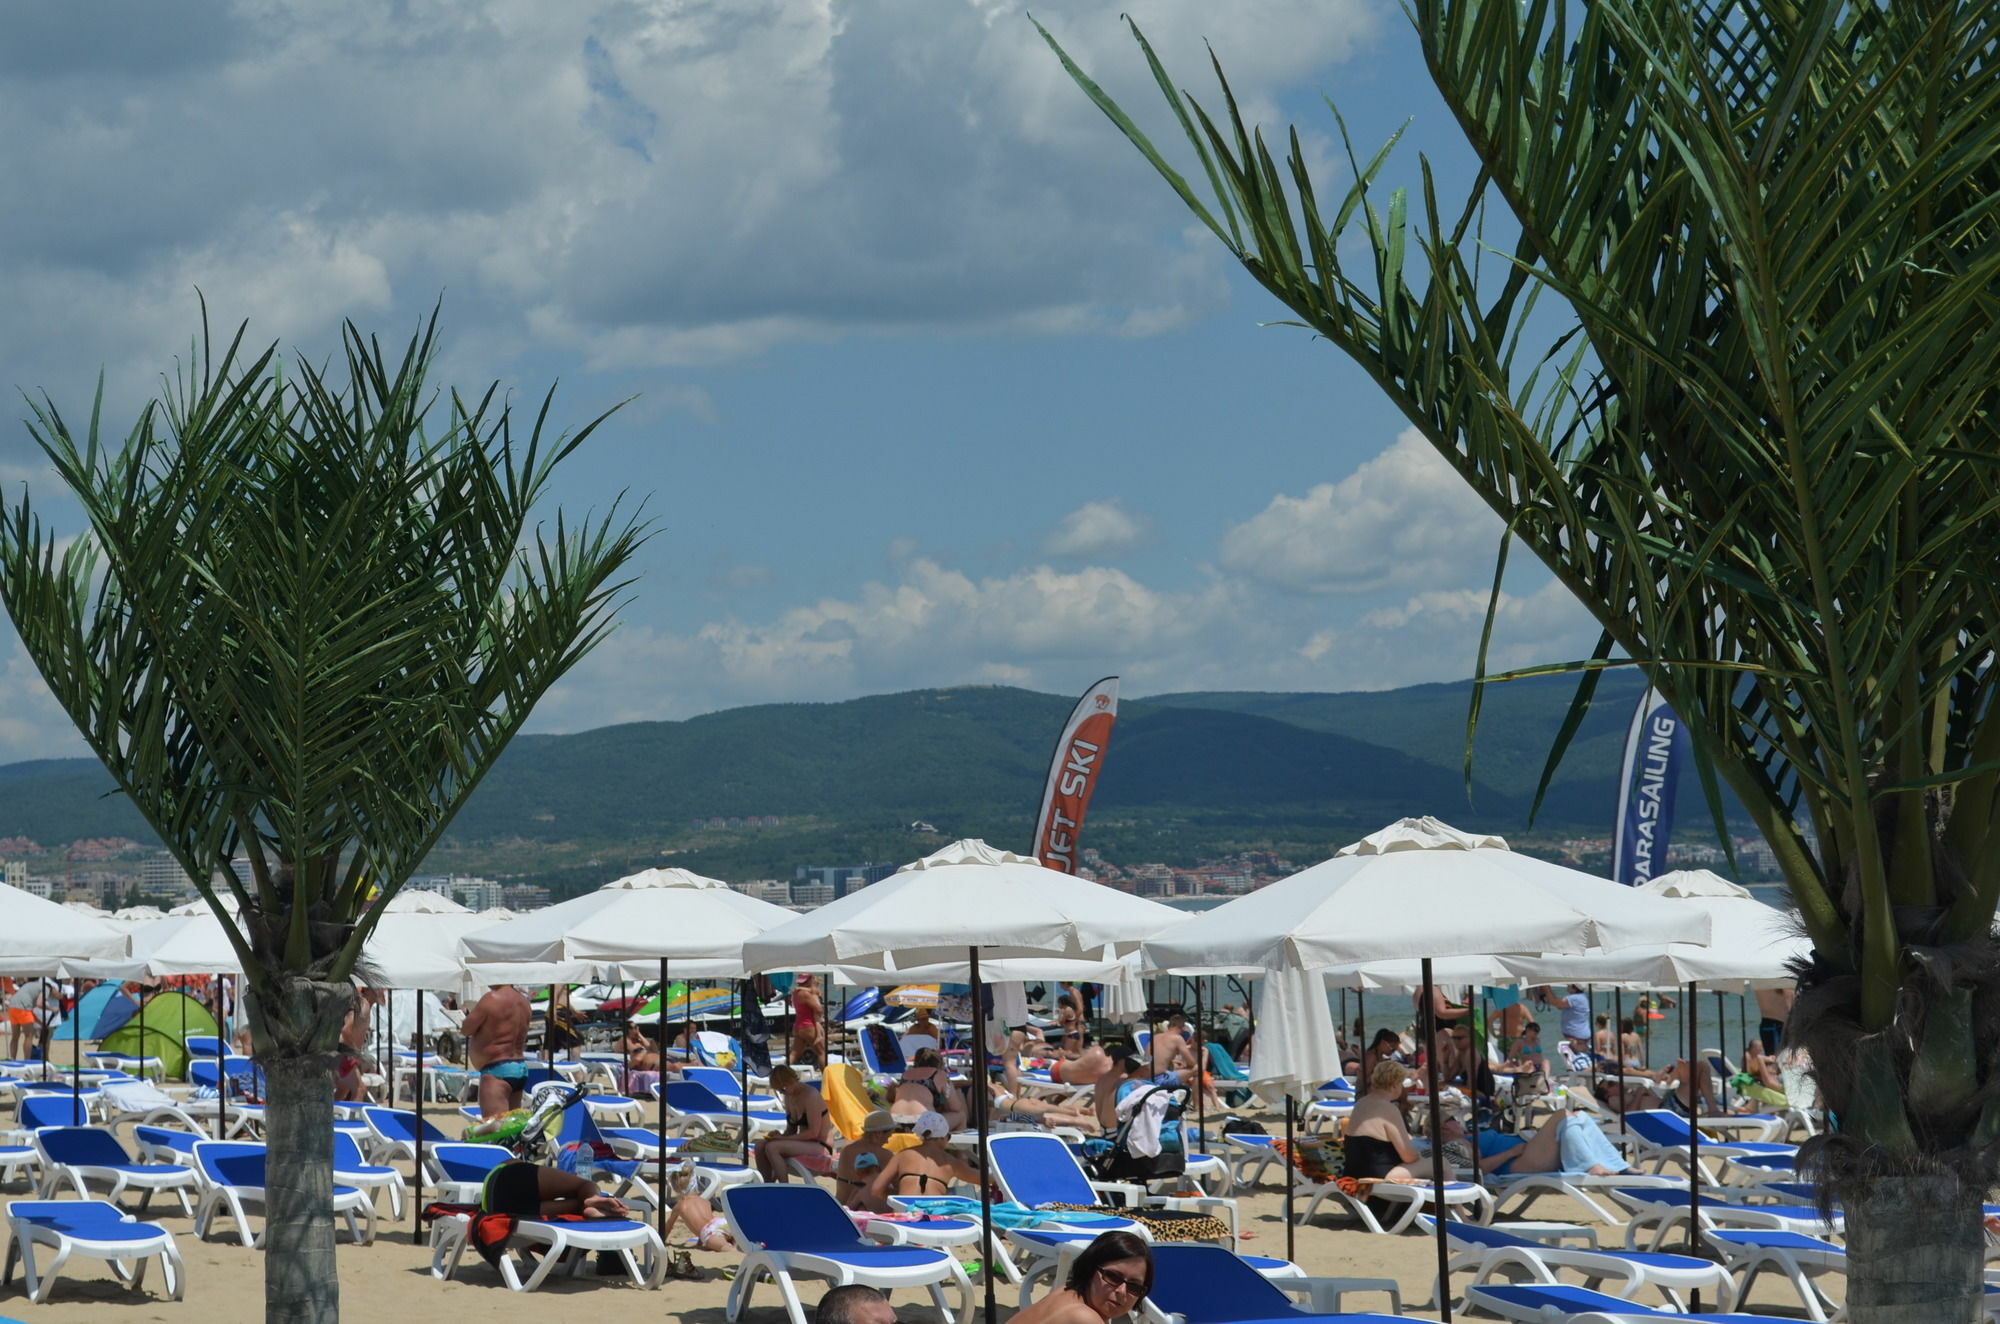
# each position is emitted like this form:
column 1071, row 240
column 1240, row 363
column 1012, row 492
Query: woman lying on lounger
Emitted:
column 1569, row 1143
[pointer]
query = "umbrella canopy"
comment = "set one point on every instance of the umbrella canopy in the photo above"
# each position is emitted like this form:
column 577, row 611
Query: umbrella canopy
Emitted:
column 1419, row 888
column 418, row 949
column 176, row 945
column 1749, row 943
column 698, row 923
column 923, row 919
column 409, row 901
column 199, row 906
column 41, row 937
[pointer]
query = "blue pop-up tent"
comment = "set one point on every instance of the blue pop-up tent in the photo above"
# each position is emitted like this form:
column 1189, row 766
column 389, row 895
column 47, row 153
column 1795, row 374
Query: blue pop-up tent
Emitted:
column 97, row 1013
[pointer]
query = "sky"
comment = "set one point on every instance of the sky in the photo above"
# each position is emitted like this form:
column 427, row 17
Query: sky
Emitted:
column 932, row 381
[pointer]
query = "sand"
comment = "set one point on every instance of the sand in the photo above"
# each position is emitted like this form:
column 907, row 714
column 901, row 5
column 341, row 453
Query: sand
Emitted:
column 391, row 1280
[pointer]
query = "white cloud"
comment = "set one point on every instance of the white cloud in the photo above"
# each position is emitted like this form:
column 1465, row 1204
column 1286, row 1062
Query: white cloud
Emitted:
column 1403, row 518
column 646, row 182
column 1096, row 528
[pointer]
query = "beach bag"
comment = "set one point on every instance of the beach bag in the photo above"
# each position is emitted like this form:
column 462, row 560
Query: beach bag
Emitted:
column 722, row 1140
column 1243, row 1126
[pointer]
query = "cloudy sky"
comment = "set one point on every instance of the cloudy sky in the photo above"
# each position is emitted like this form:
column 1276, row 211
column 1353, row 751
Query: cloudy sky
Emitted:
column 935, row 381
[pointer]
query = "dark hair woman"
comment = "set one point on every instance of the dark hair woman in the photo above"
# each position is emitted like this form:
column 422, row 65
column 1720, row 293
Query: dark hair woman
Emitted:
column 1112, row 1276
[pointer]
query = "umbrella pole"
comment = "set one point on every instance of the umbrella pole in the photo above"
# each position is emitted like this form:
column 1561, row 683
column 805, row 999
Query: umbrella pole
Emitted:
column 1694, row 1135
column 417, row 1188
column 1590, row 1029
column 75, row 1054
column 1480, row 1058
column 660, row 1093
column 1618, row 1015
column 625, row 1037
column 1429, row 1022
column 549, row 1031
column 743, row 1064
column 981, row 1100
column 1291, row 1228
column 385, row 1012
column 221, row 1051
column 1721, row 1019
column 1200, row 1069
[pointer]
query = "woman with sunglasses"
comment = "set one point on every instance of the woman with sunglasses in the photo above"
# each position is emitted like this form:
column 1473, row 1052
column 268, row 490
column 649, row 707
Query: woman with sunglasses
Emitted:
column 1110, row 1278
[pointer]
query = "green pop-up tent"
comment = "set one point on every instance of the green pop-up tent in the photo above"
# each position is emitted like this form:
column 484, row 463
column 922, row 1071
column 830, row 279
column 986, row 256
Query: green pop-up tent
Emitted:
column 161, row 1029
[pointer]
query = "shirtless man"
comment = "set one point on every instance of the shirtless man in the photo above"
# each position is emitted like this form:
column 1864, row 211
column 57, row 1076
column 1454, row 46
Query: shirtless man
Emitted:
column 1171, row 1051
column 1125, row 1065
column 1086, row 1068
column 1774, row 1008
column 496, row 1030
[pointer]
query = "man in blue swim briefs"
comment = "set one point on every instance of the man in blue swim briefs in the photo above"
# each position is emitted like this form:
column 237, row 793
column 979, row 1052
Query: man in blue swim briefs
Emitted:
column 496, row 1030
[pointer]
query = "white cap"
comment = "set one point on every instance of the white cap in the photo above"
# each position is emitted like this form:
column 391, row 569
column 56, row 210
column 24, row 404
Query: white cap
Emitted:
column 933, row 1126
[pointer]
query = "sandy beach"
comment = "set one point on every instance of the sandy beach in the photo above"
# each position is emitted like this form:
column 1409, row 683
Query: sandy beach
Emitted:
column 391, row 1280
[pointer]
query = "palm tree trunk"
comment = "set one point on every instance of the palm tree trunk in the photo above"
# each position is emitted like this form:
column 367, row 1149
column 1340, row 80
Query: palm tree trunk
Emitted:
column 1915, row 1249
column 299, row 1023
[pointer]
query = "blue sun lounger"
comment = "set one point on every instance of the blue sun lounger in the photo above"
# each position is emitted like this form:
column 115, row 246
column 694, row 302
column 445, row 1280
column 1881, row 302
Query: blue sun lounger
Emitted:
column 1036, row 1170
column 1662, row 1137
column 1489, row 1251
column 1792, row 1255
column 1211, row 1285
column 233, row 1175
column 692, row 1101
column 95, row 1229
column 1661, row 1209
column 87, row 1155
column 1559, row 1303
column 790, row 1231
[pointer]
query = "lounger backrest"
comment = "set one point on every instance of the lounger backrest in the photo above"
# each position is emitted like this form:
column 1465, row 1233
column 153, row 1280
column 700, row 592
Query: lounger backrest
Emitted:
column 1560, row 1300
column 400, row 1124
column 538, row 1073
column 204, row 1045
column 39, row 1110
column 167, row 1137
column 85, row 1146
column 1210, row 1285
column 1658, row 1126
column 691, row 1096
column 715, row 1078
column 231, row 1162
column 1038, row 1169
column 787, row 1217
column 203, row 1071
column 347, row 1154
column 468, row 1162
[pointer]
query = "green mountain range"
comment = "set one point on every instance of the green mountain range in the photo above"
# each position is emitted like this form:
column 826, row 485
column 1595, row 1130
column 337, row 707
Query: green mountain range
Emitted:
column 1186, row 776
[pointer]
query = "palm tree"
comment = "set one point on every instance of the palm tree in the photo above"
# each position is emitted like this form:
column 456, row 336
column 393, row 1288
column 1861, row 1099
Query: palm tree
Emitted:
column 299, row 629
column 1713, row 332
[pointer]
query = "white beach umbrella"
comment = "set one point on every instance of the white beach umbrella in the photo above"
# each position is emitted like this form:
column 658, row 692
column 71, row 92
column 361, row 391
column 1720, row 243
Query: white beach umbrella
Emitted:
column 928, row 914
column 412, row 902
column 38, row 936
column 175, row 945
column 418, row 949
column 199, row 906
column 954, row 914
column 698, row 923
column 1749, row 943
column 1419, row 888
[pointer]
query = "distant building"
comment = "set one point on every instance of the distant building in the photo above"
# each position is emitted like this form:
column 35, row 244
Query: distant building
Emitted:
column 160, row 874
column 524, row 896
column 774, row 890
column 41, row 887
column 842, row 878
column 476, row 893
column 14, row 872
column 812, row 893
column 436, row 883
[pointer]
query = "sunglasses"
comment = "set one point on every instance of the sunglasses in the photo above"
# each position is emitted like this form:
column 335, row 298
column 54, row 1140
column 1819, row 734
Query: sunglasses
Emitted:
column 1134, row 1287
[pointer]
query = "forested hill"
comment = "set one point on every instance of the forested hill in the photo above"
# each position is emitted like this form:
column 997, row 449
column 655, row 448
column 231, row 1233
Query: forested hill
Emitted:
column 1221, row 768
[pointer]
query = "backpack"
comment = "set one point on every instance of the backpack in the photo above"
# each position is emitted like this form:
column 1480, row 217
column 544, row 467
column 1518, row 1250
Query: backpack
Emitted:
column 1115, row 1161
